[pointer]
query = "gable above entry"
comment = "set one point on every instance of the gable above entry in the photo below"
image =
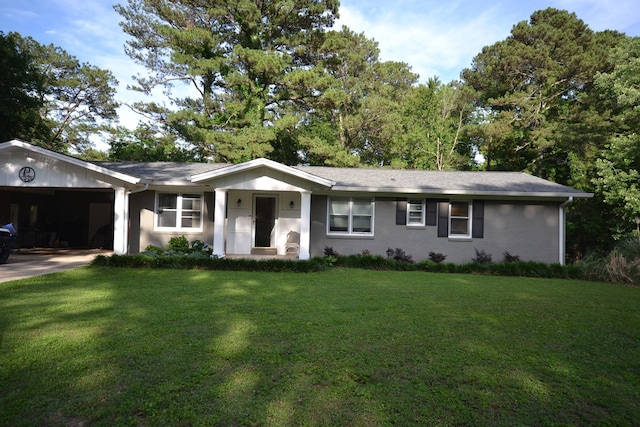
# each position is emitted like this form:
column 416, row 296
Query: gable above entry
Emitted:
column 261, row 163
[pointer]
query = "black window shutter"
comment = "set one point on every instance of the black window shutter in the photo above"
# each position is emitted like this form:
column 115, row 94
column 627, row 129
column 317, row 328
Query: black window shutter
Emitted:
column 432, row 212
column 401, row 212
column 478, row 219
column 443, row 219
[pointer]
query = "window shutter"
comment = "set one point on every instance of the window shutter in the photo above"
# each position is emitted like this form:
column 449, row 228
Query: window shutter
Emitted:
column 432, row 212
column 478, row 219
column 443, row 219
column 401, row 212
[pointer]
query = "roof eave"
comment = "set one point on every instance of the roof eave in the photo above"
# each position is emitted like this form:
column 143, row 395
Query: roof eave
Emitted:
column 256, row 163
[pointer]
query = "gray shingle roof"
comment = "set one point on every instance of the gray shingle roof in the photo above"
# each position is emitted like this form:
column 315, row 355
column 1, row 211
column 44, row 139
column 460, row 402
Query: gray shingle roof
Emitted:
column 440, row 182
column 161, row 172
column 373, row 180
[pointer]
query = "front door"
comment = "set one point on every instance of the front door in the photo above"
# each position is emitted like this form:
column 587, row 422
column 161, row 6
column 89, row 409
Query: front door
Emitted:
column 265, row 220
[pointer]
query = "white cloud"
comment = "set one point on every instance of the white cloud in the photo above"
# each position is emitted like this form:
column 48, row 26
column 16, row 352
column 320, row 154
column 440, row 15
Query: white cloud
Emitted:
column 427, row 40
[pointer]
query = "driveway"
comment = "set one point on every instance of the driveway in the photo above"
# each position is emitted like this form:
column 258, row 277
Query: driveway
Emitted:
column 35, row 262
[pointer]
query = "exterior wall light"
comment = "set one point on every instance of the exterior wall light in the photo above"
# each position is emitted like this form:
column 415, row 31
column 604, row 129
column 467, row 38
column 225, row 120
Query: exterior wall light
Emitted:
column 291, row 205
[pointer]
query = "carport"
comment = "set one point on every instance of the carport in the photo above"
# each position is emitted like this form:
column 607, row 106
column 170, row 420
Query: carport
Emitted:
column 59, row 201
column 59, row 217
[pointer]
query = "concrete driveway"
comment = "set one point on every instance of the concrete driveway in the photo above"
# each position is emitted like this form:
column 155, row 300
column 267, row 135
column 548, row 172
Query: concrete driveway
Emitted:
column 35, row 262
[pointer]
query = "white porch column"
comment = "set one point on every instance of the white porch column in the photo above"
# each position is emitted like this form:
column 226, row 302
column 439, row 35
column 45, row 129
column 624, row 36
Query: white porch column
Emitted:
column 219, row 223
column 120, row 221
column 305, row 225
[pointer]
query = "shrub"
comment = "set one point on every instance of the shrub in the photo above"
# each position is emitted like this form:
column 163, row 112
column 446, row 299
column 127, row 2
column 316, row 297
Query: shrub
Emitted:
column 623, row 265
column 205, row 263
column 400, row 256
column 436, row 257
column 482, row 257
column 178, row 244
column 153, row 250
column 367, row 262
column 511, row 258
column 329, row 252
column 200, row 248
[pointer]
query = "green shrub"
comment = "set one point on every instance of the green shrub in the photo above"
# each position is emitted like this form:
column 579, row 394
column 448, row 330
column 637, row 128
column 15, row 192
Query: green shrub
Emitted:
column 368, row 262
column 187, row 262
column 178, row 244
column 153, row 250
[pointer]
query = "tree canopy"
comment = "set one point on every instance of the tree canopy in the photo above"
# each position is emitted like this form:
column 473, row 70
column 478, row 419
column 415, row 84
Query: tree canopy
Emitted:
column 53, row 100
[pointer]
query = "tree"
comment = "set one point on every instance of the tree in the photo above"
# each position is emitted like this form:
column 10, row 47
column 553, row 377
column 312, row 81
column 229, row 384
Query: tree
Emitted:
column 618, row 169
column 147, row 144
column 246, row 61
column 434, row 120
column 533, row 87
column 76, row 98
column 20, row 82
column 53, row 99
column 354, row 118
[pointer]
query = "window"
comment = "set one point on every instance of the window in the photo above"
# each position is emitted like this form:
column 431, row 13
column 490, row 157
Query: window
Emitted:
column 415, row 212
column 459, row 219
column 350, row 216
column 179, row 211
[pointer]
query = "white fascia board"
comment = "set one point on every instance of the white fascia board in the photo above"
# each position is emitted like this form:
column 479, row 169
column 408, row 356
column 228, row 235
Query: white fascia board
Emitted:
column 252, row 164
column 68, row 159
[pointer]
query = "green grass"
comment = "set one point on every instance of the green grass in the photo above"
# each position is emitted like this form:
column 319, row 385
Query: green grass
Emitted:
column 100, row 346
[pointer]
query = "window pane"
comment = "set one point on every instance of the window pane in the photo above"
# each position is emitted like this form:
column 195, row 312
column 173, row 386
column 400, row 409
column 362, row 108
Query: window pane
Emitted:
column 191, row 203
column 339, row 223
column 168, row 201
column 415, row 217
column 167, row 218
column 459, row 226
column 361, row 224
column 415, row 212
column 460, row 209
column 339, row 207
column 362, row 206
column 191, row 219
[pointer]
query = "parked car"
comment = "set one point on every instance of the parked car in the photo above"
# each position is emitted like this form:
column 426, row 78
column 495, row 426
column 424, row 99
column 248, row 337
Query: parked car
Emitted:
column 7, row 236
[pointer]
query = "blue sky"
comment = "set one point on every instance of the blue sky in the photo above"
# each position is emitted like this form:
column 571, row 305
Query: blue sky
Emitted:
column 435, row 38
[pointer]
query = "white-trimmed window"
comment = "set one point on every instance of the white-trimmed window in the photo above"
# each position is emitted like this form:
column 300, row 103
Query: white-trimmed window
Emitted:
column 415, row 212
column 178, row 211
column 350, row 216
column 460, row 219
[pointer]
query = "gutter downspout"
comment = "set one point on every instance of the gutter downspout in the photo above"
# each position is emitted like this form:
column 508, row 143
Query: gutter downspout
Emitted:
column 562, row 230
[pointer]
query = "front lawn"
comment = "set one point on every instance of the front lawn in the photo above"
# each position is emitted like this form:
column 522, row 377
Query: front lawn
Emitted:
column 100, row 346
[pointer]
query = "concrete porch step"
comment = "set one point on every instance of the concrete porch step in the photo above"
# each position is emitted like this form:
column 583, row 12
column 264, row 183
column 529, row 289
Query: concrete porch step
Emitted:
column 264, row 251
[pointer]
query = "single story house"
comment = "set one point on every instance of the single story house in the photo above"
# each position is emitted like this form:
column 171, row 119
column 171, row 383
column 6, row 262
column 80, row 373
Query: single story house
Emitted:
column 264, row 207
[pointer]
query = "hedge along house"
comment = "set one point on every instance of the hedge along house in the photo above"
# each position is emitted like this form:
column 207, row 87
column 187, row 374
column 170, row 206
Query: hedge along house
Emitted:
column 264, row 207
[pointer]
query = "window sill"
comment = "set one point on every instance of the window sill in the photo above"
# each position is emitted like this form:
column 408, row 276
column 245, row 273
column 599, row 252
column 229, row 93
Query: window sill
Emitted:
column 460, row 239
column 350, row 236
column 416, row 226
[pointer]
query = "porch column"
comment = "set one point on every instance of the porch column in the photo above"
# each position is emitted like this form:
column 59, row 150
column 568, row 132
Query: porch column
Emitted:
column 219, row 223
column 120, row 221
column 305, row 225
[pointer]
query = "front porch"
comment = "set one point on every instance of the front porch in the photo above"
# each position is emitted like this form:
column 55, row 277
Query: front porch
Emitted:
column 262, row 223
column 262, row 203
